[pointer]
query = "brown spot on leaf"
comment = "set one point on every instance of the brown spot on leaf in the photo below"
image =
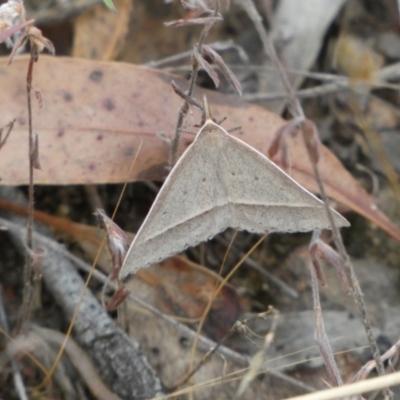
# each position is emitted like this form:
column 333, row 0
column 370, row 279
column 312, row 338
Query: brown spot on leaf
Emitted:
column 96, row 75
column 108, row 104
column 128, row 152
column 67, row 96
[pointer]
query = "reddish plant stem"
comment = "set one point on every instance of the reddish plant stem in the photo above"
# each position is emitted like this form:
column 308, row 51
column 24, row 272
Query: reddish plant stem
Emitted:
column 27, row 304
column 320, row 335
column 29, row 78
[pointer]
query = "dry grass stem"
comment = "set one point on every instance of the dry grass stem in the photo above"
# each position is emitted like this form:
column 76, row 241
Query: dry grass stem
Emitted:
column 320, row 335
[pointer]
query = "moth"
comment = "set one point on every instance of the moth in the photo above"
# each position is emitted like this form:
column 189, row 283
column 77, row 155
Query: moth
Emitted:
column 221, row 182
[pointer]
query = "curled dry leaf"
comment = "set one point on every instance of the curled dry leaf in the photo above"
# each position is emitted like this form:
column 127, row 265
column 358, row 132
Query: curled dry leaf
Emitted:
column 92, row 126
column 37, row 39
column 117, row 241
column 229, row 75
column 278, row 142
column 320, row 250
column 35, row 154
column 37, row 42
column 206, row 66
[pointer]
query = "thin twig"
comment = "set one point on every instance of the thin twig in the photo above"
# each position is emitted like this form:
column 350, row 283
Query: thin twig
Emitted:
column 185, row 106
column 29, row 78
column 218, row 45
column 333, row 83
column 320, row 334
column 28, row 291
column 10, row 127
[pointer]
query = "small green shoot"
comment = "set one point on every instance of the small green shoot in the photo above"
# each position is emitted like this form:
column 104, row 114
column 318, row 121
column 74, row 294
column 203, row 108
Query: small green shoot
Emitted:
column 110, row 5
